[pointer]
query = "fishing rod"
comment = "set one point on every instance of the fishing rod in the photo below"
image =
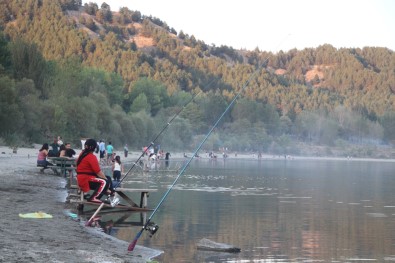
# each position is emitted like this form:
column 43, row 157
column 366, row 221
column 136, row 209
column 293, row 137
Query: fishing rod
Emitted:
column 115, row 201
column 151, row 227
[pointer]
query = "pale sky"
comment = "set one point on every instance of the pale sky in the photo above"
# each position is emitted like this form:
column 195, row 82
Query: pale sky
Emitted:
column 277, row 24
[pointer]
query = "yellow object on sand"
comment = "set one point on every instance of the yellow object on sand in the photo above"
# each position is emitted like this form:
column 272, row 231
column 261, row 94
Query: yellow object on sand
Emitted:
column 36, row 215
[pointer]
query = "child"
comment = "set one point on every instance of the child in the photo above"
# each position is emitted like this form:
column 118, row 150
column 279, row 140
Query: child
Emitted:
column 117, row 168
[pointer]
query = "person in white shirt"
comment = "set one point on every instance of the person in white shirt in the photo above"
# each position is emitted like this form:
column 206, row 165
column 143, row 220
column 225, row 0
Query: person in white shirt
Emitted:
column 117, row 168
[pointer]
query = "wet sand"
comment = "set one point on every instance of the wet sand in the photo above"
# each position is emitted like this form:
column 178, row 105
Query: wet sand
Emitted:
column 23, row 189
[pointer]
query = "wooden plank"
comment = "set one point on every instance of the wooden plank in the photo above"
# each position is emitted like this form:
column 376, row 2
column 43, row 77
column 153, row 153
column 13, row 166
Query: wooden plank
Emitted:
column 120, row 206
column 144, row 199
column 73, row 186
column 135, row 190
column 62, row 160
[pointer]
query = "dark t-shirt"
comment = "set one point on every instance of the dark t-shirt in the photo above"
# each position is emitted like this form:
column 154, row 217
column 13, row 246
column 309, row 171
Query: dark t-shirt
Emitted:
column 70, row 153
column 55, row 148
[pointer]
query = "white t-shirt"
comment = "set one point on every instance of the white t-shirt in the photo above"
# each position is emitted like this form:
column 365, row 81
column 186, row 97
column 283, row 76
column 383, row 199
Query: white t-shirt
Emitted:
column 117, row 166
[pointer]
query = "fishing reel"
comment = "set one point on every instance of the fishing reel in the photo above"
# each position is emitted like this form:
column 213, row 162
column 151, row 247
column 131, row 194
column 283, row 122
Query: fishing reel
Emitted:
column 152, row 228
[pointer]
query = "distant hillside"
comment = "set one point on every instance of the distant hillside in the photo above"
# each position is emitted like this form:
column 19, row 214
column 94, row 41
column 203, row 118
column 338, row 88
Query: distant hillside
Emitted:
column 126, row 60
column 362, row 71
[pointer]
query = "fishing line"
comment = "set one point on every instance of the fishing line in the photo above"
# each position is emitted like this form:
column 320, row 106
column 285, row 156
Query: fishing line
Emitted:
column 159, row 134
column 151, row 227
column 115, row 201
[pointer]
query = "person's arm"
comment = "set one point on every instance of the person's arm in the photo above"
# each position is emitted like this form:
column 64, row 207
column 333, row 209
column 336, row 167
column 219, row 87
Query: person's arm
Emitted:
column 101, row 175
column 95, row 166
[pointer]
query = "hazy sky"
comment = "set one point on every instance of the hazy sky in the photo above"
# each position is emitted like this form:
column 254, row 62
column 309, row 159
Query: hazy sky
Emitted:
column 277, row 24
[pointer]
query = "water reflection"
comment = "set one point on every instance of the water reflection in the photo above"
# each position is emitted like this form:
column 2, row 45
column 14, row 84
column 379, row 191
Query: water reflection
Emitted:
column 275, row 211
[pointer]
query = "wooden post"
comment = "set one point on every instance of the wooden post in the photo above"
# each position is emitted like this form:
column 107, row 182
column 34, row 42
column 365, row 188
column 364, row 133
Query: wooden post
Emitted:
column 144, row 200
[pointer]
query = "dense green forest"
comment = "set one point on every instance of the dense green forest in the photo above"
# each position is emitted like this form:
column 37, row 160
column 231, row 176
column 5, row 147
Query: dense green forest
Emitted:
column 87, row 71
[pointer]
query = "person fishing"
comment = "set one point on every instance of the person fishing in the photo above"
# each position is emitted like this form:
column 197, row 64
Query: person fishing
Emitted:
column 89, row 174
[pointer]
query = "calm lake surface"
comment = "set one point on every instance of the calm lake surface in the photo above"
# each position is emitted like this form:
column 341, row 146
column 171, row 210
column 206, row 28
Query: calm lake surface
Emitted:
column 274, row 210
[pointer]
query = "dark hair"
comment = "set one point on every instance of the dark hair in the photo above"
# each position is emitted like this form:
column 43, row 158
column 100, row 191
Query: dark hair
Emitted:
column 44, row 147
column 118, row 159
column 90, row 146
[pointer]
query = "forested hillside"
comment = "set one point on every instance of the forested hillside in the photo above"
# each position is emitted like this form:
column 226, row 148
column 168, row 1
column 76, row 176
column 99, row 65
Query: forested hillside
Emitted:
column 89, row 71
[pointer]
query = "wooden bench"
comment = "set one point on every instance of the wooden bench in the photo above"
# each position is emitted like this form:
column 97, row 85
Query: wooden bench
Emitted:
column 43, row 167
column 121, row 192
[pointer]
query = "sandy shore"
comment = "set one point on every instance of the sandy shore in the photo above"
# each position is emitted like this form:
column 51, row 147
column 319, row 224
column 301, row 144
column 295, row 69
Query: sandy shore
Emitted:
column 60, row 239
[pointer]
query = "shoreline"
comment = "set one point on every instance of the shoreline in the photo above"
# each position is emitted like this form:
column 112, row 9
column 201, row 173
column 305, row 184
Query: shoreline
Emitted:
column 59, row 239
column 178, row 156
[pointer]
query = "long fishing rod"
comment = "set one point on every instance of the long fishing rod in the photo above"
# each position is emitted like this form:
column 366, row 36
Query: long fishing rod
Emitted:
column 115, row 201
column 151, row 227
column 160, row 133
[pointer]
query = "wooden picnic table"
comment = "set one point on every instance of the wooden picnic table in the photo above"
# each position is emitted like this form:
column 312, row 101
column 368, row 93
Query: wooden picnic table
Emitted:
column 63, row 164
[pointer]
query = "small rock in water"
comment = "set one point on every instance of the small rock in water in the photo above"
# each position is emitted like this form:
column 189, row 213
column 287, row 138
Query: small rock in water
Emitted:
column 206, row 244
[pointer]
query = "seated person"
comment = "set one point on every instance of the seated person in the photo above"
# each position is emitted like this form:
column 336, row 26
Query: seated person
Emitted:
column 89, row 174
column 66, row 152
column 62, row 151
column 69, row 152
column 42, row 157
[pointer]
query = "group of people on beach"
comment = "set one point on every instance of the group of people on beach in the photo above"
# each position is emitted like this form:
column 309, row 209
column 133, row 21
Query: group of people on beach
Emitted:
column 89, row 173
column 58, row 149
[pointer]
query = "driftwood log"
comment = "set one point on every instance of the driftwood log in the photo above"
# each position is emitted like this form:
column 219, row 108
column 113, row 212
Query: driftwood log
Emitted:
column 207, row 244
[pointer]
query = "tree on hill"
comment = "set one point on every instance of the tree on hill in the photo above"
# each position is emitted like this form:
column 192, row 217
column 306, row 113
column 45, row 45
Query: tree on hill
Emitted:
column 47, row 52
column 154, row 92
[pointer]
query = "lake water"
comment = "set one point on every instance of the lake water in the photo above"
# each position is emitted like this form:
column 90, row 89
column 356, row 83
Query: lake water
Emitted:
column 274, row 210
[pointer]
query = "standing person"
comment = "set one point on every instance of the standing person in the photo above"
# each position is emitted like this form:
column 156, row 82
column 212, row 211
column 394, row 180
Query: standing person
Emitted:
column 117, row 168
column 89, row 174
column 42, row 157
column 60, row 141
column 151, row 150
column 102, row 150
column 167, row 158
column 126, row 150
column 109, row 150
column 54, row 152
column 83, row 140
column 145, row 150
